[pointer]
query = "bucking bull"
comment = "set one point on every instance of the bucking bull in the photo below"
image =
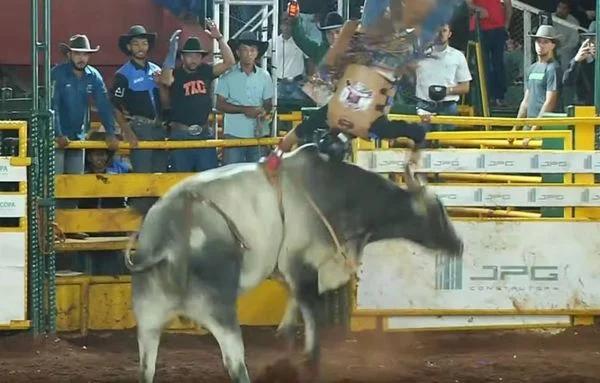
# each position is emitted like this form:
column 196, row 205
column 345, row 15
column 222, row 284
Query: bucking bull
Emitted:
column 220, row 233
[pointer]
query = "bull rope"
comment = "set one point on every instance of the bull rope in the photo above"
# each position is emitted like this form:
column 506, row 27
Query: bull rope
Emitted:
column 340, row 249
column 228, row 221
column 274, row 180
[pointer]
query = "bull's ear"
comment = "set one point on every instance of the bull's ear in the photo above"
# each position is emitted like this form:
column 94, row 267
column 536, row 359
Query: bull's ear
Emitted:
column 419, row 204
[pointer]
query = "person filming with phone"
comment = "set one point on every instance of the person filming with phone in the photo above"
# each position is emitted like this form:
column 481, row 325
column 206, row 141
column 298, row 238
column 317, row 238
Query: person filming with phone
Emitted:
column 580, row 72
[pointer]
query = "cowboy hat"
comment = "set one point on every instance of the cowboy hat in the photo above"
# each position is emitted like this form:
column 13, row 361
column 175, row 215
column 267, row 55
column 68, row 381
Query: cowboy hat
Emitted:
column 546, row 32
column 193, row 45
column 136, row 31
column 78, row 43
column 248, row 38
column 591, row 32
column 333, row 20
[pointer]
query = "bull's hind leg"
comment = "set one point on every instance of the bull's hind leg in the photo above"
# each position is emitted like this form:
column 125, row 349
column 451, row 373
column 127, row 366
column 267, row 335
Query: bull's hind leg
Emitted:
column 212, row 303
column 304, row 285
column 221, row 321
column 287, row 326
column 152, row 315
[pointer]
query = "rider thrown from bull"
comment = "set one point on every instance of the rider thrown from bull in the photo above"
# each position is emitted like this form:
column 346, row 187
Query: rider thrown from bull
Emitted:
column 366, row 63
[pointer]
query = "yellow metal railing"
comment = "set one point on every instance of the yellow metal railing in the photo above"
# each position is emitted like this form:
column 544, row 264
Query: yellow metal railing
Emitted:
column 137, row 185
column 154, row 185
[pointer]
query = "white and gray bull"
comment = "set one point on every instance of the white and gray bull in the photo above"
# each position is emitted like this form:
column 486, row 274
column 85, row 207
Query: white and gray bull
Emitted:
column 222, row 232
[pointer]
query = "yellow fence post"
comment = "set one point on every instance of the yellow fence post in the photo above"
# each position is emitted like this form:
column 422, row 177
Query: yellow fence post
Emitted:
column 585, row 139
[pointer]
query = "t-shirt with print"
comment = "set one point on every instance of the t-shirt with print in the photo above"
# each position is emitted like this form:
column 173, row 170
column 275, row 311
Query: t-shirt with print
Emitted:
column 191, row 101
column 541, row 78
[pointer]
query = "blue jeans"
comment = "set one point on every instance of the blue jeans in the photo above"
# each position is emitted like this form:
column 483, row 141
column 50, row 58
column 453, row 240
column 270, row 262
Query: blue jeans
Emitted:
column 147, row 160
column 290, row 90
column 446, row 109
column 373, row 11
column 191, row 160
column 494, row 42
column 242, row 154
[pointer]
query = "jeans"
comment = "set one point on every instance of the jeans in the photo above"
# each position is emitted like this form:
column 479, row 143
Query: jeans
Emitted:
column 191, row 160
column 69, row 161
column 494, row 42
column 445, row 109
column 290, row 90
column 147, row 161
column 242, row 154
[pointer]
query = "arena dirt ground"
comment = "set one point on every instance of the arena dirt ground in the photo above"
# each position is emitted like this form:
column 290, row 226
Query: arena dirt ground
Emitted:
column 571, row 356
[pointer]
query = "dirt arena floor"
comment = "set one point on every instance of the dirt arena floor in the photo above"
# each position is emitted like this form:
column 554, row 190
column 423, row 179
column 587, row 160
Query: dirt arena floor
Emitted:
column 572, row 356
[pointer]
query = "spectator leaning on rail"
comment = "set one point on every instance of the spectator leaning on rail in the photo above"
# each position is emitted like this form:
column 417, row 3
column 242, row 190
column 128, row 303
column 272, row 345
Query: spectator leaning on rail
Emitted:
column 74, row 84
column 186, row 93
column 494, row 16
column 136, row 98
column 442, row 78
column 543, row 78
column 245, row 96
column 580, row 72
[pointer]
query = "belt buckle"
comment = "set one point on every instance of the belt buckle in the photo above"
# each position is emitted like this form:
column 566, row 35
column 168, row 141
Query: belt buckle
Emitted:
column 195, row 130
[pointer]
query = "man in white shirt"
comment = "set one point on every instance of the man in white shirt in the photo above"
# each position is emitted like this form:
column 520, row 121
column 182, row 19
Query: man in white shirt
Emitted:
column 288, row 63
column 442, row 78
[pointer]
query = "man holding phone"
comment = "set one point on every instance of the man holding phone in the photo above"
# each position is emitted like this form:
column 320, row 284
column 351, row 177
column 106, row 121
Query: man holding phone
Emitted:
column 580, row 72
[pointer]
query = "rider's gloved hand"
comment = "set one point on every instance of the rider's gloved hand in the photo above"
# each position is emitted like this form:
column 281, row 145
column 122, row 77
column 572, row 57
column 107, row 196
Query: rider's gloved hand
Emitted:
column 273, row 160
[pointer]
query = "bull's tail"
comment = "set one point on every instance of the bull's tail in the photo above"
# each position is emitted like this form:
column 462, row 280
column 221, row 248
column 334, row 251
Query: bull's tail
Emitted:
column 146, row 262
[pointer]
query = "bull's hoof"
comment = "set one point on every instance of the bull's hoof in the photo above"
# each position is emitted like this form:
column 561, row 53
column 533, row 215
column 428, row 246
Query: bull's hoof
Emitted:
column 311, row 360
column 288, row 334
column 282, row 371
column 312, row 368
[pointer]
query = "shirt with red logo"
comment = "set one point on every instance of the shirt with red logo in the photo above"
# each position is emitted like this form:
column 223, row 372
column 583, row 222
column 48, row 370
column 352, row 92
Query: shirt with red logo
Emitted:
column 191, row 101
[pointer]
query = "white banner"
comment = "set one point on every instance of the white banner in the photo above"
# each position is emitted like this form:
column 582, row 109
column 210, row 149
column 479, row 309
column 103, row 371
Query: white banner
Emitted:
column 12, row 277
column 13, row 206
column 483, row 161
column 517, row 196
column 506, row 266
column 9, row 173
column 482, row 321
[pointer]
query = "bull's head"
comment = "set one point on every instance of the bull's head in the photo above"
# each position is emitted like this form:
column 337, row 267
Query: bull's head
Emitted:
column 420, row 218
column 438, row 230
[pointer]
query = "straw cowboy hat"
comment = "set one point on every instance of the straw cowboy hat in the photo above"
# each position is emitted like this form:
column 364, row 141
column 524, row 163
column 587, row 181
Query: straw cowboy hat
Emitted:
column 333, row 20
column 136, row 31
column 193, row 45
column 249, row 38
column 78, row 43
column 546, row 32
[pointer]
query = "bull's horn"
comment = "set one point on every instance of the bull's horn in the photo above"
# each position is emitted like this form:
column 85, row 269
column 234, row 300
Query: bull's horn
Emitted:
column 412, row 182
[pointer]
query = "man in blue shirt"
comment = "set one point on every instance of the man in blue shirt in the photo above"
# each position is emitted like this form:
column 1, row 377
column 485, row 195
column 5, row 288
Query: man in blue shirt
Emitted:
column 74, row 83
column 136, row 99
column 245, row 96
